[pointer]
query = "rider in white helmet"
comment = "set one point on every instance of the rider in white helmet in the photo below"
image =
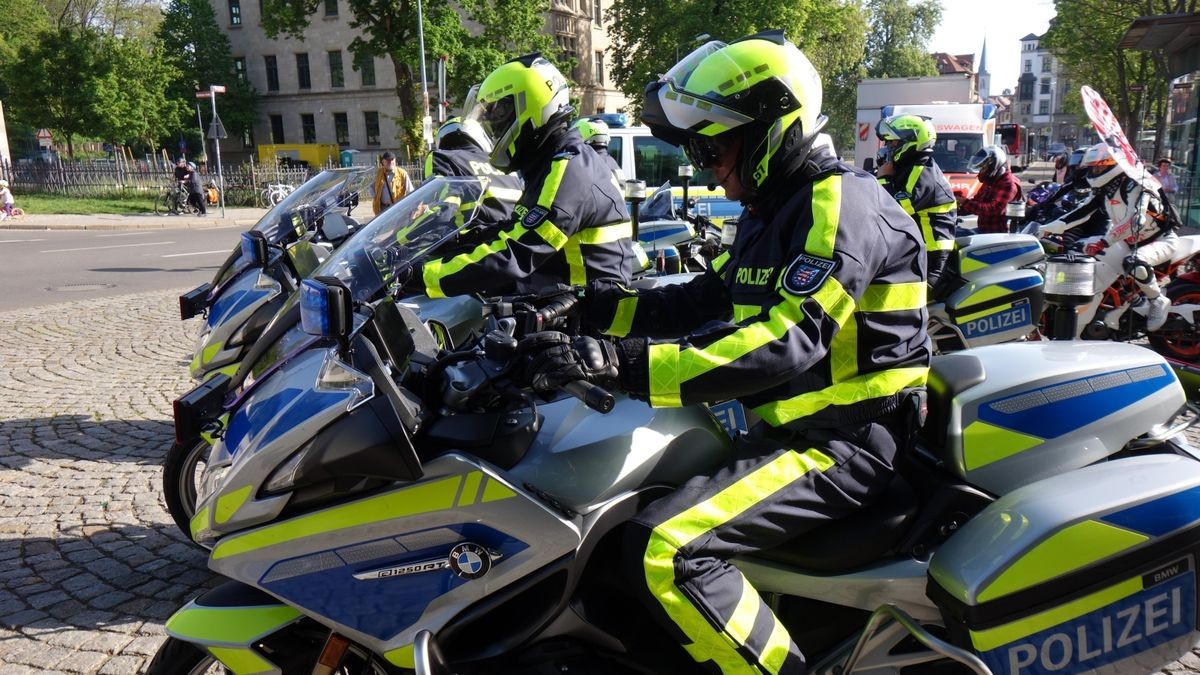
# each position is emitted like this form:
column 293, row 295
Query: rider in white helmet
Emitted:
column 1140, row 233
column 6, row 199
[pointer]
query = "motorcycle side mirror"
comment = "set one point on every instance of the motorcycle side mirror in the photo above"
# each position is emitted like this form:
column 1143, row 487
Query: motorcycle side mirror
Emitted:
column 869, row 165
column 254, row 248
column 326, row 308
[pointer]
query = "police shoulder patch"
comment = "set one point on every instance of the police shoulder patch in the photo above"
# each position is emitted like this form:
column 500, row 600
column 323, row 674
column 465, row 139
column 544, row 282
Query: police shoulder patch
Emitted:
column 806, row 274
column 535, row 216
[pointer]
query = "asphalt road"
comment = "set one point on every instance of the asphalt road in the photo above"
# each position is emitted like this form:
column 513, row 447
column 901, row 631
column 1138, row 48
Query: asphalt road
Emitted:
column 43, row 267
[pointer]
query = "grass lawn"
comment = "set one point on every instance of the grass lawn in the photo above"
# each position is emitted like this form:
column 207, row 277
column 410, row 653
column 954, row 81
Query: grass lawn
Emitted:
column 47, row 203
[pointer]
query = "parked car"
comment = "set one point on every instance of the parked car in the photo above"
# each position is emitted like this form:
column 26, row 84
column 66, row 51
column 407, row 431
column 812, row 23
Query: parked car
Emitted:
column 1056, row 149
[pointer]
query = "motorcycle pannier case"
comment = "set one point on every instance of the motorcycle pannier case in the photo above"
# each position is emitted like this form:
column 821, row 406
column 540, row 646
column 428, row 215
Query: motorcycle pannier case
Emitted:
column 1006, row 415
column 1001, row 307
column 1090, row 571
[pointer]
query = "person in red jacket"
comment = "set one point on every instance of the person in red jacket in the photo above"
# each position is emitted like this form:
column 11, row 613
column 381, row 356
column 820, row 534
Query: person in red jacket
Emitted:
column 998, row 186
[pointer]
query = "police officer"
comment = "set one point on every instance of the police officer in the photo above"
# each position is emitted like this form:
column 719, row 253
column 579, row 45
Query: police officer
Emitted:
column 461, row 149
column 595, row 133
column 570, row 224
column 815, row 320
column 908, row 172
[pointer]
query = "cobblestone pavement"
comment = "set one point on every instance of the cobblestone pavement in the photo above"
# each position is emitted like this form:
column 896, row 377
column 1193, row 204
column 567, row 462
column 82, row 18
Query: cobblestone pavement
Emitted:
column 91, row 565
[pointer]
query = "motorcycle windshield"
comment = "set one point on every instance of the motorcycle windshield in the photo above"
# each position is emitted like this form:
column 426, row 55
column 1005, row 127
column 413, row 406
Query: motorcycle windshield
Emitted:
column 660, row 205
column 331, row 189
column 404, row 235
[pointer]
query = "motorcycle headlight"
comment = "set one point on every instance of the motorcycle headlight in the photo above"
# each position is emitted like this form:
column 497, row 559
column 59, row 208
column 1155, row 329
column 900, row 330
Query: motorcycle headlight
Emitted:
column 284, row 476
column 210, row 482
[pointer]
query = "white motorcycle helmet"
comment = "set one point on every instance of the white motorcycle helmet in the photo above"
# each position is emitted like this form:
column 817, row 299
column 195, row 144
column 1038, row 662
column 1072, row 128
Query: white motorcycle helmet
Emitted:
column 1100, row 164
column 990, row 161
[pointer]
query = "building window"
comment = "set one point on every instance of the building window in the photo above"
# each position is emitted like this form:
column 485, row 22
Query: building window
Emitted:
column 336, row 77
column 598, row 15
column 600, row 68
column 567, row 46
column 341, row 128
column 302, row 73
column 1026, row 90
column 1046, row 65
column 239, row 68
column 277, row 129
column 272, row 73
column 1025, row 108
column 1045, row 88
column 366, row 66
column 1043, row 107
column 331, row 7
column 371, row 120
column 1029, row 65
column 235, row 12
column 248, row 138
column 308, row 126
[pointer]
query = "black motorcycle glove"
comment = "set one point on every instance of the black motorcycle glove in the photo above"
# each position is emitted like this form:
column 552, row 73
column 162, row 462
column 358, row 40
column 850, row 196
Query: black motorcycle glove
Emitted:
column 411, row 280
column 602, row 297
column 556, row 359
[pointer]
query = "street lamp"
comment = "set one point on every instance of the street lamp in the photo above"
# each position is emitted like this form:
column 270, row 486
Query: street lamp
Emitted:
column 426, row 122
column 703, row 37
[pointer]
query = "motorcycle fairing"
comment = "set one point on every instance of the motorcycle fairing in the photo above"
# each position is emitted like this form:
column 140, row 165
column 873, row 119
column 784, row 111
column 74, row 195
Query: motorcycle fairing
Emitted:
column 980, row 253
column 1086, row 570
column 459, row 500
column 228, row 620
column 1049, row 407
column 247, row 294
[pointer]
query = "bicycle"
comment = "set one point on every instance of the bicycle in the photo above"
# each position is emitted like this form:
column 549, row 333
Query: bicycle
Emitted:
column 17, row 212
column 173, row 200
column 274, row 193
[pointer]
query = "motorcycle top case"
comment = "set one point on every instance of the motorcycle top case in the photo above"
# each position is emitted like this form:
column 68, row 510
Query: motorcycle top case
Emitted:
column 1003, row 416
column 1089, row 571
column 983, row 254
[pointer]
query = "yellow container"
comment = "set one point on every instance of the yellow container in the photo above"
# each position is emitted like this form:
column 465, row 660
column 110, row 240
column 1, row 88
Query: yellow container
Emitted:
column 316, row 154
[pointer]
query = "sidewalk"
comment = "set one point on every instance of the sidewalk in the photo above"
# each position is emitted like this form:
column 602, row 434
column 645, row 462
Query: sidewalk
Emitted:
column 234, row 217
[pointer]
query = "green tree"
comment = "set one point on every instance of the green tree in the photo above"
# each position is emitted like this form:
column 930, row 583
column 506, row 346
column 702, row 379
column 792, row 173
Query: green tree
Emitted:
column 24, row 22
column 60, row 78
column 648, row 35
column 389, row 27
column 1085, row 36
column 132, row 101
column 898, row 41
column 195, row 45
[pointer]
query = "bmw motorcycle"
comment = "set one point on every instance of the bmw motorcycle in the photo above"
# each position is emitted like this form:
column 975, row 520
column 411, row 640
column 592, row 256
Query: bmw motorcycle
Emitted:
column 382, row 505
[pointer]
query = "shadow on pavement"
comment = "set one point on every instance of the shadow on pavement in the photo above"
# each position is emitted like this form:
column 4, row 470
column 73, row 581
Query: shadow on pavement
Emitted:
column 78, row 437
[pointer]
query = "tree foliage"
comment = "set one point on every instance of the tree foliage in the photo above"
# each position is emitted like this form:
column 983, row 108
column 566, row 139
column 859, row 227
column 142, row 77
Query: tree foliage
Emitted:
column 195, row 45
column 898, row 41
column 132, row 102
column 389, row 27
column 1085, row 37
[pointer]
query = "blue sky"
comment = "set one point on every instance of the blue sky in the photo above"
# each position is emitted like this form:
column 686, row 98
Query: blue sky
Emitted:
column 965, row 23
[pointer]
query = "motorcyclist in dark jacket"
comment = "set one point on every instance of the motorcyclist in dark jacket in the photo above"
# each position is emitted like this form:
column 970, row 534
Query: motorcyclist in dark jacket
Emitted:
column 570, row 224
column 909, row 173
column 595, row 133
column 462, row 150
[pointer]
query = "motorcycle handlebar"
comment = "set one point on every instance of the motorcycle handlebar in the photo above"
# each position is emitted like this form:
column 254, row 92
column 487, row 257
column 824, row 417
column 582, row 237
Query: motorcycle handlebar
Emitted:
column 559, row 308
column 594, row 397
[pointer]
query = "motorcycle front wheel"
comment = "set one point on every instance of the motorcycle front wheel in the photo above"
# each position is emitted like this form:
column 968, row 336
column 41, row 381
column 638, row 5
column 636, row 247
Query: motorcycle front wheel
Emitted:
column 181, row 481
column 1179, row 339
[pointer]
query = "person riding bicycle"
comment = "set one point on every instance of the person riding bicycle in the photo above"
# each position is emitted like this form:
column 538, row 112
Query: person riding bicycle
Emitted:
column 7, row 203
column 1141, row 229
column 461, row 149
column 595, row 133
column 815, row 320
column 909, row 173
column 570, row 224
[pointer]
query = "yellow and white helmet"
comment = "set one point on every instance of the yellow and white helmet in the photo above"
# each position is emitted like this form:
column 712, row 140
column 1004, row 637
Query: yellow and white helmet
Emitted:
column 761, row 86
column 515, row 106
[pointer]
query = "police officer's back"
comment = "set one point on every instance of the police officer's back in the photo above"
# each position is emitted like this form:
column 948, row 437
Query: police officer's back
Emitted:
column 462, row 150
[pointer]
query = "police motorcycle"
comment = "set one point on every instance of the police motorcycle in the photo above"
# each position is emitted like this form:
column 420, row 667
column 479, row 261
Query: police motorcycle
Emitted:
column 381, row 505
column 675, row 242
column 257, row 285
column 286, row 244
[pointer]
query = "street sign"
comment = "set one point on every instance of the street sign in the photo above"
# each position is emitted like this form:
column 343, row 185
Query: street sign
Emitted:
column 44, row 134
column 1182, row 85
column 204, row 94
column 216, row 129
column 1137, row 87
column 217, row 88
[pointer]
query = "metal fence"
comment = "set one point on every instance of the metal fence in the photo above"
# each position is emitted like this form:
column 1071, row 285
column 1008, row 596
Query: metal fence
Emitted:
column 244, row 183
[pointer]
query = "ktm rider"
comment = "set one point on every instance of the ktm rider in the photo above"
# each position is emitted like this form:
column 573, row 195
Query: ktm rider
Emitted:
column 998, row 186
column 909, row 173
column 595, row 133
column 815, row 320
column 570, row 223
column 1141, row 231
column 461, row 149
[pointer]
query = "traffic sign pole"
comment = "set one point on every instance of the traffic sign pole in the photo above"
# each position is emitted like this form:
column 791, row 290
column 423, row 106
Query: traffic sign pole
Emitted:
column 216, row 132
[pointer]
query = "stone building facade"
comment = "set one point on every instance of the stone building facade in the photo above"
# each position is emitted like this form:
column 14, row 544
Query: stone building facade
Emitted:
column 1042, row 87
column 312, row 91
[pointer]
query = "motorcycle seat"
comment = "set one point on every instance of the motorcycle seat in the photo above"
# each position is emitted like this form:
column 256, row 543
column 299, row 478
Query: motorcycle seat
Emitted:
column 854, row 541
column 949, row 376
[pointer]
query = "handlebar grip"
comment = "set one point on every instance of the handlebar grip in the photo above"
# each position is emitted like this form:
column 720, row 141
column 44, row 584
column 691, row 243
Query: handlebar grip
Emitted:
column 594, row 397
column 557, row 308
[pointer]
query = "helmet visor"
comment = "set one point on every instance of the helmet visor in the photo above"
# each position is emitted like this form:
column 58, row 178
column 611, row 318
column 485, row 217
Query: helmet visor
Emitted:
column 492, row 119
column 680, row 72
